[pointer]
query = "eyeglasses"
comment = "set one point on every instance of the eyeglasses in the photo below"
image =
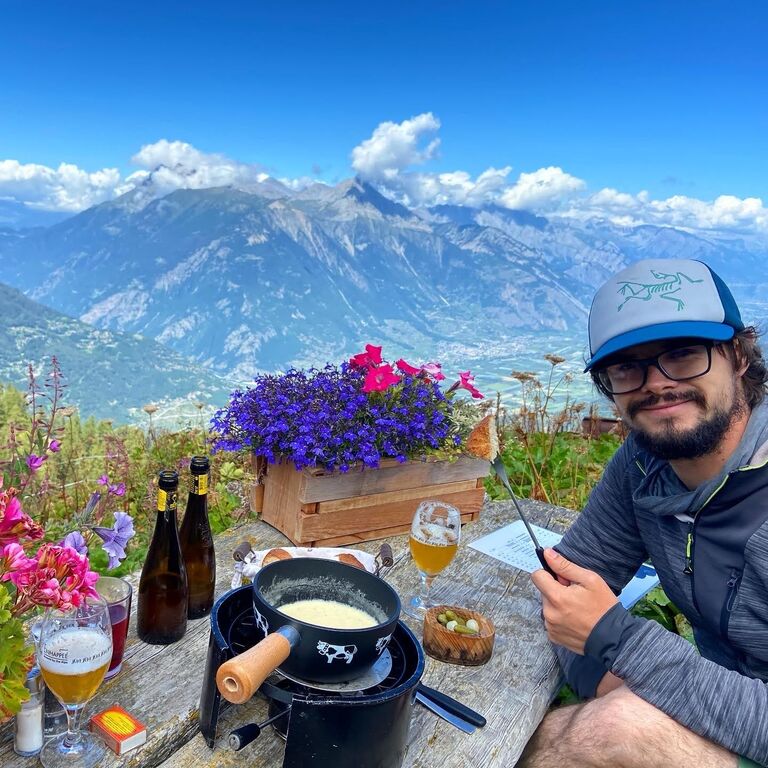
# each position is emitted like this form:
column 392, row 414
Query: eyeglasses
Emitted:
column 679, row 364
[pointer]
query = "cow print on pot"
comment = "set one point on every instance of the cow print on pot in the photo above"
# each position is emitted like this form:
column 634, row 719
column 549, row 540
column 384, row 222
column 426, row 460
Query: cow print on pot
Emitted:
column 333, row 652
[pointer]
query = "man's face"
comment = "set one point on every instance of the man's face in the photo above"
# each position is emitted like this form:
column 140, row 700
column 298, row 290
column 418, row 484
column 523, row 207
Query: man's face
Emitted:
column 682, row 419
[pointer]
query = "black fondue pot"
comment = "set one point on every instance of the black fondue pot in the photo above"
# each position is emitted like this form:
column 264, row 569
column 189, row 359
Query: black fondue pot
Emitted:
column 309, row 651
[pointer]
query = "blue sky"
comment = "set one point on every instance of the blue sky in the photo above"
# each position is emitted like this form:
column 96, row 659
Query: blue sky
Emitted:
column 666, row 97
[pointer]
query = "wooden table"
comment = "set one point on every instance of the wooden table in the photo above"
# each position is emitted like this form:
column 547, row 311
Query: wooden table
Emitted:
column 161, row 684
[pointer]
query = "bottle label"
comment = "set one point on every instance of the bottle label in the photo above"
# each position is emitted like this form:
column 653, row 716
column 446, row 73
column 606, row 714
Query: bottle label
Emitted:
column 166, row 500
column 200, row 484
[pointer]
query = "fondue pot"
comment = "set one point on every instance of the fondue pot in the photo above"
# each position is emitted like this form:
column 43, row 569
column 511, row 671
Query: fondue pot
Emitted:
column 308, row 651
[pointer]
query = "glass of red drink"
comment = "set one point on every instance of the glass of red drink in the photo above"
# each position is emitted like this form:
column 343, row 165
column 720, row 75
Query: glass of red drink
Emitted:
column 117, row 593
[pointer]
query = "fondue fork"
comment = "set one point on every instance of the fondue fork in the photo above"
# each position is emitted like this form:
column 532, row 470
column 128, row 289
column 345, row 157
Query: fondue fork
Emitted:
column 501, row 473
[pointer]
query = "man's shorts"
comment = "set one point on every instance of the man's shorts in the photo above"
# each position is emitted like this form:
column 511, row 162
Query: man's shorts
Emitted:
column 745, row 762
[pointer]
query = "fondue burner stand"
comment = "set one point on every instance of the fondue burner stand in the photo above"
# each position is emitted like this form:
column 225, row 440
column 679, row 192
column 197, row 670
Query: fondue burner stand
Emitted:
column 344, row 727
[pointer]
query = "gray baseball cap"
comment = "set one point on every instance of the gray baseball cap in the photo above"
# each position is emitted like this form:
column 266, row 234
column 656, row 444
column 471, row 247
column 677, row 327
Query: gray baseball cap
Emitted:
column 658, row 299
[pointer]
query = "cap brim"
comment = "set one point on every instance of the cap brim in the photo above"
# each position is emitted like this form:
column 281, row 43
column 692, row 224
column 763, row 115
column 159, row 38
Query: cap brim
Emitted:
column 696, row 329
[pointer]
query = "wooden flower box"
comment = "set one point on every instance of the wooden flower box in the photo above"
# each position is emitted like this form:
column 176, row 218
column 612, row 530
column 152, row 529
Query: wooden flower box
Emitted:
column 318, row 508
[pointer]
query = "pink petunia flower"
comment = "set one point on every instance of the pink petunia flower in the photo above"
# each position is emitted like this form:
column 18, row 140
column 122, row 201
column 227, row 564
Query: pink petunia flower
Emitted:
column 467, row 381
column 380, row 378
column 371, row 357
column 433, row 370
column 407, row 368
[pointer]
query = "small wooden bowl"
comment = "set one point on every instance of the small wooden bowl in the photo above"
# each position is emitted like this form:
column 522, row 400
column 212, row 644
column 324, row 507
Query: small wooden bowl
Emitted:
column 456, row 648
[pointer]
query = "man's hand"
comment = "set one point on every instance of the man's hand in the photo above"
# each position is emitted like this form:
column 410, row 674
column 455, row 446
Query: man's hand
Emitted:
column 571, row 610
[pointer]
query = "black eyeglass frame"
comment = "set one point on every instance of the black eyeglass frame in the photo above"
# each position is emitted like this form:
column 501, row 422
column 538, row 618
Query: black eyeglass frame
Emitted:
column 601, row 376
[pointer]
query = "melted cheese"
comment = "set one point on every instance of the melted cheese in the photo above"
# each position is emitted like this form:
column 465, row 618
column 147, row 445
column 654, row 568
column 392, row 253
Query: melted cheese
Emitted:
column 328, row 613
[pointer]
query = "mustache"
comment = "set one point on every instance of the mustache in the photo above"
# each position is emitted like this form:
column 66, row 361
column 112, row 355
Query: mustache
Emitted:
column 651, row 400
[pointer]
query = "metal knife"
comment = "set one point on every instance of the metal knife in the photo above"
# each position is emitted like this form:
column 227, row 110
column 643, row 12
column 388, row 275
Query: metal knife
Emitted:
column 459, row 722
column 501, row 473
column 452, row 705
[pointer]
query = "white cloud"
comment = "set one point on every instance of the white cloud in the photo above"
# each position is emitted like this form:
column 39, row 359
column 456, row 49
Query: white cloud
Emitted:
column 66, row 188
column 394, row 147
column 543, row 190
column 179, row 165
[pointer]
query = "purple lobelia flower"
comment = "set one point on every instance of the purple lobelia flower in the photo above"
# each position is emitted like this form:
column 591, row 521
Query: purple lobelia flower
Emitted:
column 324, row 417
column 115, row 538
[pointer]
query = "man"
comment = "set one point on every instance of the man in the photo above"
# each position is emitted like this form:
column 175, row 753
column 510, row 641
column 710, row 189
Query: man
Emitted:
column 689, row 489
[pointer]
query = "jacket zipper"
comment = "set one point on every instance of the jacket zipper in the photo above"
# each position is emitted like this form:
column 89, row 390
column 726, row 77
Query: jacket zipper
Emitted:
column 730, row 598
column 690, row 541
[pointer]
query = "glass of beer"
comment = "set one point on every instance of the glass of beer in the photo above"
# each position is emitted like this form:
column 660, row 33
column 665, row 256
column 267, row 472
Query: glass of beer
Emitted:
column 74, row 650
column 434, row 539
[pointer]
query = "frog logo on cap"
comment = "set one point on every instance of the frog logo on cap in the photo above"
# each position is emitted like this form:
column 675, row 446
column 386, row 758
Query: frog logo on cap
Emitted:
column 668, row 284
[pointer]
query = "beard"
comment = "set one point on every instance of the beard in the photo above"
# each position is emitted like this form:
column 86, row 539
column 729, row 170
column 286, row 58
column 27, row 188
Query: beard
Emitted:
column 672, row 443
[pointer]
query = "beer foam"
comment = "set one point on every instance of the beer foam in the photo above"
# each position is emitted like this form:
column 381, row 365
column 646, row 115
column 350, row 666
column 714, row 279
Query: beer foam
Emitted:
column 74, row 651
column 433, row 533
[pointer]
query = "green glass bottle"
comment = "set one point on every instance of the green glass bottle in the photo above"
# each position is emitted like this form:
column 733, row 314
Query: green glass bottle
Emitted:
column 162, row 609
column 197, row 541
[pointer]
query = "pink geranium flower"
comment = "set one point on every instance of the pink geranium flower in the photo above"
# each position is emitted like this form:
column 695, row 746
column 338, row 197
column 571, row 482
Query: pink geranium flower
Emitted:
column 371, row 357
column 13, row 559
column 380, row 378
column 15, row 525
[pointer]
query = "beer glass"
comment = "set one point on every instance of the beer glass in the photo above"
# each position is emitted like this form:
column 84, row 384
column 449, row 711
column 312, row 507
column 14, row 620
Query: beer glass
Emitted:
column 434, row 539
column 73, row 652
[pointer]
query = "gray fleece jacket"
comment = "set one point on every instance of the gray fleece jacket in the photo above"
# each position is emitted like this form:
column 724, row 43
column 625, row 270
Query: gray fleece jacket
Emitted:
column 710, row 549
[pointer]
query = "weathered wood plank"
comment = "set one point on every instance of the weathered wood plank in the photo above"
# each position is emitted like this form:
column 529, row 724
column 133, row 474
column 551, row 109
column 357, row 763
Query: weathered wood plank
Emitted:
column 405, row 494
column 390, row 477
column 396, row 515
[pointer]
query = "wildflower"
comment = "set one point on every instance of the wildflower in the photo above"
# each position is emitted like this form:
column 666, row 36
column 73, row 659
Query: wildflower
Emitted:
column 54, row 446
column 115, row 538
column 35, row 462
column 103, row 480
column 118, row 489
column 554, row 359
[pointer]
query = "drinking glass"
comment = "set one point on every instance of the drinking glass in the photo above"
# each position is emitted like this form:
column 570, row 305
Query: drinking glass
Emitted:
column 117, row 593
column 434, row 539
column 74, row 650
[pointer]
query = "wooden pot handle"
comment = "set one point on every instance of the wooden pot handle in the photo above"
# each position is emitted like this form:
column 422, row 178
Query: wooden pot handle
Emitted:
column 240, row 677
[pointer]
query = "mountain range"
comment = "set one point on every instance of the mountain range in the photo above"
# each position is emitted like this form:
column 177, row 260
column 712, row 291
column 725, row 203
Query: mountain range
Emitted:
column 236, row 280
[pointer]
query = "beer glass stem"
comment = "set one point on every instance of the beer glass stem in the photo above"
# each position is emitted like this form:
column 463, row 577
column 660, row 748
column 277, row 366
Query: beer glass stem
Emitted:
column 426, row 585
column 72, row 736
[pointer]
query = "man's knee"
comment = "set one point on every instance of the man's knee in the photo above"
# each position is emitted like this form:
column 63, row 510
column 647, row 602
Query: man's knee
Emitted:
column 620, row 719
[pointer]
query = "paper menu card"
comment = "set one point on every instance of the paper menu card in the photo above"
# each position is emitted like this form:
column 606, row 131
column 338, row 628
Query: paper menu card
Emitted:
column 512, row 545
